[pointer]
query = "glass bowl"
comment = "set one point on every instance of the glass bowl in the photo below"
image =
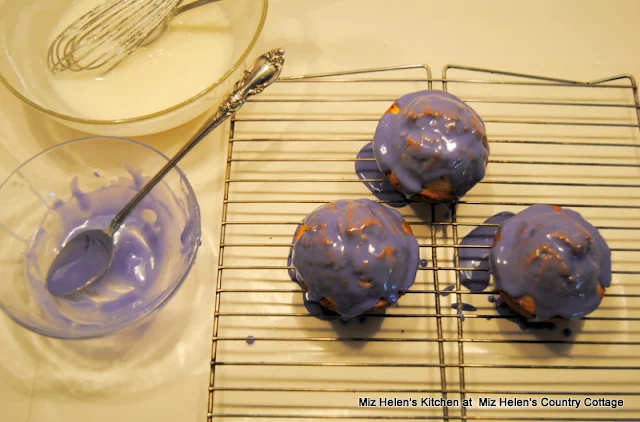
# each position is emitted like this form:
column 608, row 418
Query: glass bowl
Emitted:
column 161, row 86
column 82, row 184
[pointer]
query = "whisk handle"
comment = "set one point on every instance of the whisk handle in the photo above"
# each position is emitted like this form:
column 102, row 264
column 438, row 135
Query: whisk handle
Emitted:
column 263, row 72
column 192, row 5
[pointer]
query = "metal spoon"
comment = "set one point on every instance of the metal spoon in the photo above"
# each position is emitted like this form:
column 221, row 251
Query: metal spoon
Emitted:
column 89, row 254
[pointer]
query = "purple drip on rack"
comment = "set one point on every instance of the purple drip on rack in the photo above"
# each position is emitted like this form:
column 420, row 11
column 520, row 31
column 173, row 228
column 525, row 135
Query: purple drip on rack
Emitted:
column 447, row 289
column 314, row 308
column 367, row 169
column 477, row 257
column 463, row 307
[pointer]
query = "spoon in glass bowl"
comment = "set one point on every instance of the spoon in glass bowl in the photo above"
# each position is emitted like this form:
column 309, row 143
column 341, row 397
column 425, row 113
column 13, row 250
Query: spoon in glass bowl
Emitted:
column 89, row 254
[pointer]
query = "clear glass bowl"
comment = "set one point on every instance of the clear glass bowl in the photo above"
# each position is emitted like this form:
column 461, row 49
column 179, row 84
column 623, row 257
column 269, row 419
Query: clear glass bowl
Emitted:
column 80, row 184
column 27, row 28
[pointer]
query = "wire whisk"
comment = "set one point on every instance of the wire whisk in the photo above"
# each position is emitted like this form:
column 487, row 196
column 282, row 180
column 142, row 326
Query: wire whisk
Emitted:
column 107, row 34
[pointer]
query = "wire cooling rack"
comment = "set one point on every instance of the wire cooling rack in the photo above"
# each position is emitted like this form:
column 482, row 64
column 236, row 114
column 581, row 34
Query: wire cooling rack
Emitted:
column 293, row 148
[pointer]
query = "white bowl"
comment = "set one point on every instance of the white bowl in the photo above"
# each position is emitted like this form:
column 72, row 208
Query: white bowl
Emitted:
column 159, row 87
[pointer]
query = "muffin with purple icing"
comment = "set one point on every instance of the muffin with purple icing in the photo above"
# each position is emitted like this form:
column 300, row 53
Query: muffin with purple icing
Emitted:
column 549, row 263
column 354, row 256
column 431, row 146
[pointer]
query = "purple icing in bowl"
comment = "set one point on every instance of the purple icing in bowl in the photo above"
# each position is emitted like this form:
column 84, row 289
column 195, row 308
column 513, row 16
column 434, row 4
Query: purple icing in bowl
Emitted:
column 555, row 256
column 355, row 252
column 429, row 136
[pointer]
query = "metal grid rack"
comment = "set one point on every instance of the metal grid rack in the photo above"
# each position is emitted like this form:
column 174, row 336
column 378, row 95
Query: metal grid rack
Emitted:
column 293, row 148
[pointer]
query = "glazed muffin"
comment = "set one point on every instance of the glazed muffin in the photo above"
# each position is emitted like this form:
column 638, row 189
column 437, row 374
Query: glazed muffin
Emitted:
column 431, row 146
column 354, row 256
column 549, row 263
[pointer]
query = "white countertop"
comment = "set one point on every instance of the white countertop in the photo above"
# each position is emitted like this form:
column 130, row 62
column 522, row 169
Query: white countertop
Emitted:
column 163, row 374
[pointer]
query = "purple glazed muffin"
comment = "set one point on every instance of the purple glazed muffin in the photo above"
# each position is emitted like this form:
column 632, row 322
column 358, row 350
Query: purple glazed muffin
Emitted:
column 549, row 263
column 431, row 146
column 354, row 256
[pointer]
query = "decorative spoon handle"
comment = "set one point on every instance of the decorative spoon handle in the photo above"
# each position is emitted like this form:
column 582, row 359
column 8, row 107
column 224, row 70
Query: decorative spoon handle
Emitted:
column 263, row 72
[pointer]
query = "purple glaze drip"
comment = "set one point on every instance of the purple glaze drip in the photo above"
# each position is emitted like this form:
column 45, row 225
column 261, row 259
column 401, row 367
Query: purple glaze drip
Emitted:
column 477, row 257
column 250, row 340
column 491, row 299
column 429, row 135
column 291, row 271
column 366, row 168
column 355, row 252
column 447, row 290
column 81, row 198
column 556, row 257
column 423, row 263
column 464, row 307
